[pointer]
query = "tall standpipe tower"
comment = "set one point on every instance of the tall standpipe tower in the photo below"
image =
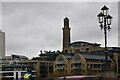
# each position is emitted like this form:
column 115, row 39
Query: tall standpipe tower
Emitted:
column 2, row 44
column 66, row 34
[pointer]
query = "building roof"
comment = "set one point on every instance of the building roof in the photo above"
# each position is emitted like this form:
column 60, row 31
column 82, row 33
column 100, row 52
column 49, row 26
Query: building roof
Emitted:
column 52, row 56
column 97, row 55
column 94, row 55
column 82, row 43
column 21, row 56
column 114, row 49
column 10, row 57
column 46, row 56
column 7, row 58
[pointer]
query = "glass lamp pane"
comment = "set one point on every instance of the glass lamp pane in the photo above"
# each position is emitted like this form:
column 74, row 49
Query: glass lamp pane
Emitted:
column 108, row 21
column 100, row 19
column 105, row 12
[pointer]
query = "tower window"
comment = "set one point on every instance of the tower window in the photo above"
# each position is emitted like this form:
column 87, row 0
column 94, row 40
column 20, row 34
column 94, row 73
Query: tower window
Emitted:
column 87, row 49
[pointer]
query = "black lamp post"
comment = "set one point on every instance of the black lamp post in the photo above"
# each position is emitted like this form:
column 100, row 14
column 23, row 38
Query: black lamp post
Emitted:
column 105, row 22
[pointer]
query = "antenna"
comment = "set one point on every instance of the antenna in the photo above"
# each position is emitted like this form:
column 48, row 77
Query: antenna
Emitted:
column 0, row 28
column 0, row 15
column 66, row 15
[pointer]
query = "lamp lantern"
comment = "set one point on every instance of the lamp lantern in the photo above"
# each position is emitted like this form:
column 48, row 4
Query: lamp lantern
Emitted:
column 105, row 10
column 100, row 17
column 109, row 19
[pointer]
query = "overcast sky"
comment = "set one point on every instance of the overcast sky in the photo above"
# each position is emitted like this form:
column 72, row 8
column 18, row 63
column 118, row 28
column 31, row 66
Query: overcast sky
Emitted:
column 34, row 26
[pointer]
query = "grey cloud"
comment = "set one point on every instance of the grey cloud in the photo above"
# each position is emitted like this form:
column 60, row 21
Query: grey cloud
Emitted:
column 31, row 27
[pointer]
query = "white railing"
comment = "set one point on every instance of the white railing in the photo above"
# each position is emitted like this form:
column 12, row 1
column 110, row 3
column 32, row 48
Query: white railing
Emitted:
column 16, row 74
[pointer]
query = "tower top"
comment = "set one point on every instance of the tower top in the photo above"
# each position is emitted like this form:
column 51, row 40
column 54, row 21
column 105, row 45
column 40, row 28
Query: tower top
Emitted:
column 66, row 19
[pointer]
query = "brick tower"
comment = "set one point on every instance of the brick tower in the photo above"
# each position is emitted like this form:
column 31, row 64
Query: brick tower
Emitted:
column 66, row 34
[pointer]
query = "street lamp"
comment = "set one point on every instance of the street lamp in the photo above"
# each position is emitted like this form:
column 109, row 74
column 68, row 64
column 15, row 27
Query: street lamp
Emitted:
column 105, row 22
